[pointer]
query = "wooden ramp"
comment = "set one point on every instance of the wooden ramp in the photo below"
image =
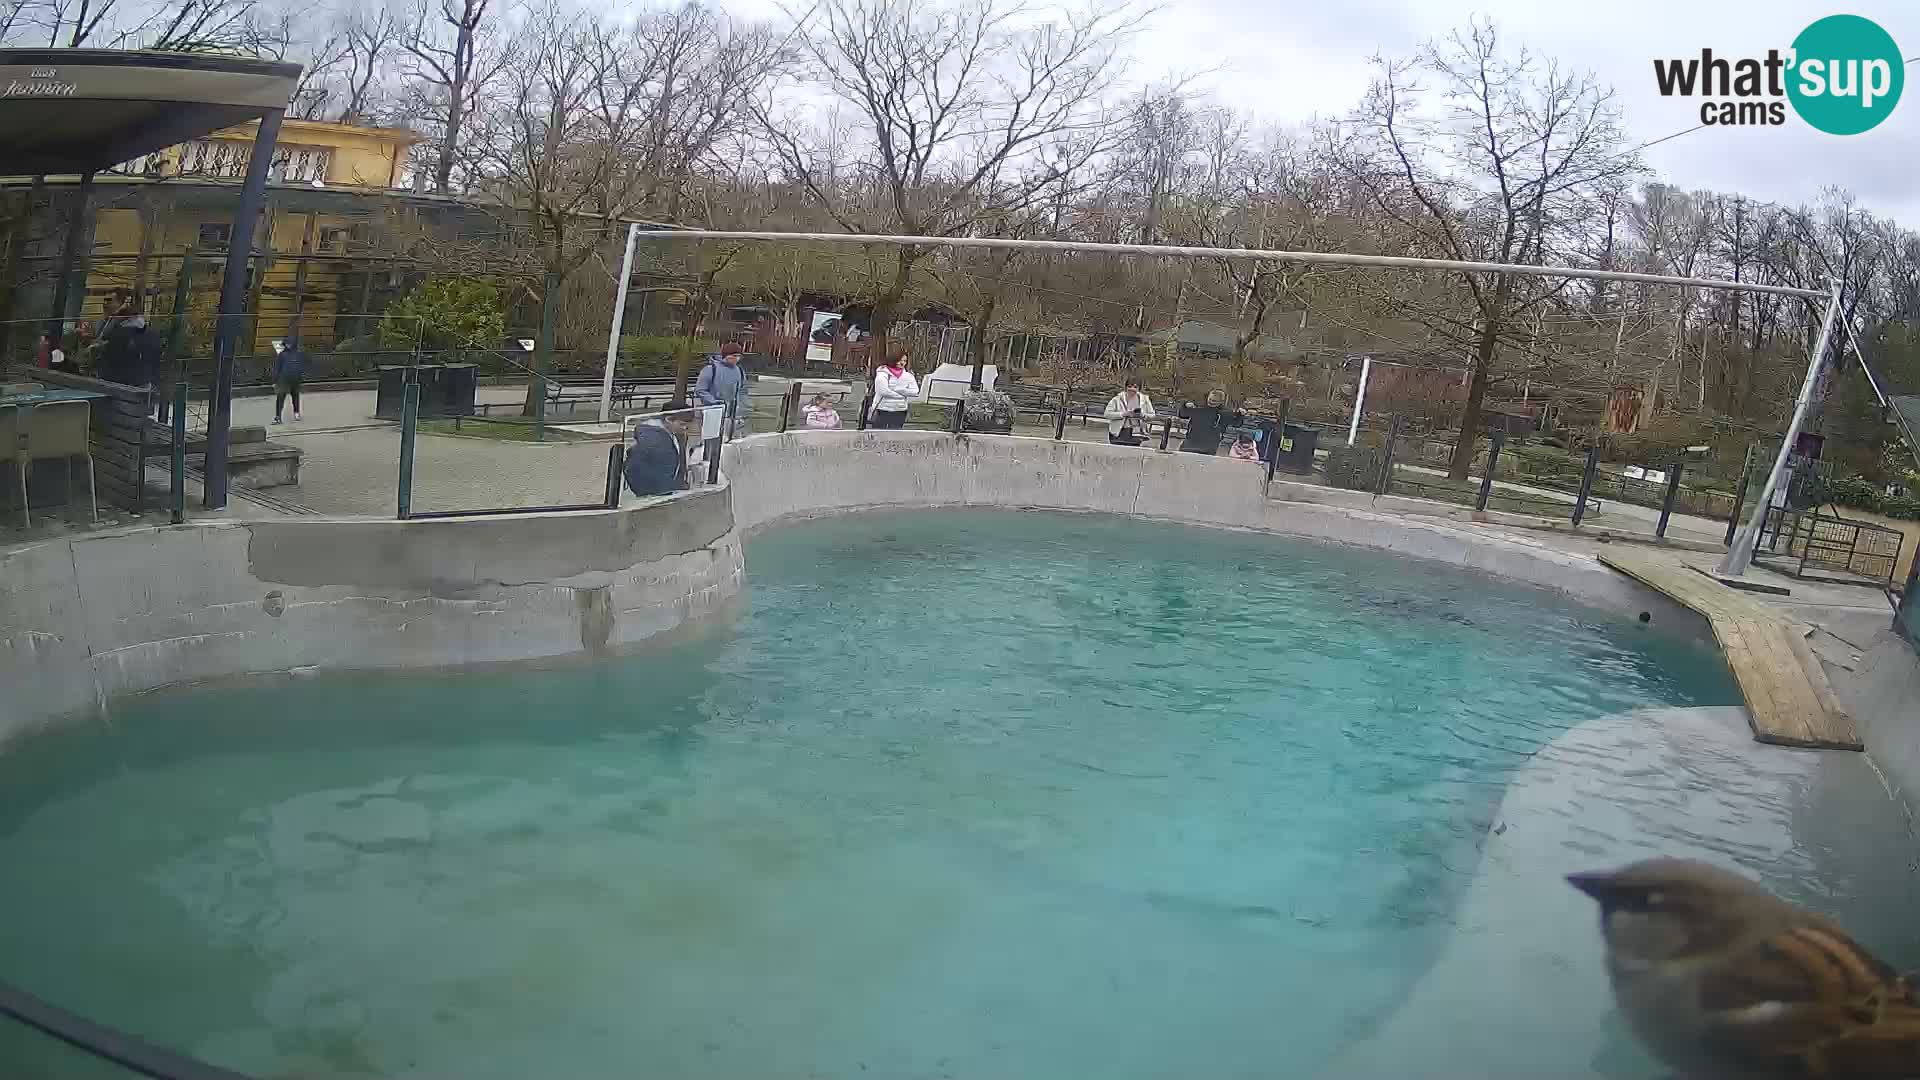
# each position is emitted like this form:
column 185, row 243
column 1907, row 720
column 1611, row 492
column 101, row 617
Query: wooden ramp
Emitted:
column 1788, row 698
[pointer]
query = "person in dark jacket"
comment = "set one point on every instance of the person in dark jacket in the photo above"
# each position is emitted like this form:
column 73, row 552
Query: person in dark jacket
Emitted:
column 119, row 355
column 657, row 460
column 289, row 371
column 1207, row 424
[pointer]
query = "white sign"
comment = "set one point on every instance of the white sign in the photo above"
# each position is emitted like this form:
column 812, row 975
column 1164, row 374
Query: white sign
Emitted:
column 526, row 343
column 826, row 324
column 711, row 418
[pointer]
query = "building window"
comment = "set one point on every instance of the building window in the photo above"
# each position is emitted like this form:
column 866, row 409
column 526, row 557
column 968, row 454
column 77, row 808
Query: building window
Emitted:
column 212, row 157
column 332, row 240
column 215, row 236
column 301, row 164
column 221, row 158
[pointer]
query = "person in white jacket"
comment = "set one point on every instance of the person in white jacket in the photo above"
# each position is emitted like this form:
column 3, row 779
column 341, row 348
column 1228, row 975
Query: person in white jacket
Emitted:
column 1127, row 415
column 894, row 389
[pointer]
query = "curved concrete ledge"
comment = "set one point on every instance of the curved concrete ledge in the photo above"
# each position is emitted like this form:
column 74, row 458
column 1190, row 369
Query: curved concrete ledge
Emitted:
column 1520, row 989
column 808, row 474
column 87, row 618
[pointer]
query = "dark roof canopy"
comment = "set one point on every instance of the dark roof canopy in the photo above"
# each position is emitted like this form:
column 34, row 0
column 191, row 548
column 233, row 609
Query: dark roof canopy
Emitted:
column 83, row 110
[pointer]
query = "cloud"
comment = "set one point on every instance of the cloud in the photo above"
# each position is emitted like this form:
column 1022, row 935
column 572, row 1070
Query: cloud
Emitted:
column 1313, row 61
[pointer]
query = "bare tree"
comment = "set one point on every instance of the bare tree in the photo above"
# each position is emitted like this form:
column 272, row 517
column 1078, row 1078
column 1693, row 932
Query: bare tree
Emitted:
column 953, row 115
column 314, row 92
column 1505, row 172
column 605, row 122
column 370, row 38
column 452, row 53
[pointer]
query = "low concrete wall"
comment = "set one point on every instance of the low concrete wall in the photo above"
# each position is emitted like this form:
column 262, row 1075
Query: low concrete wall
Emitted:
column 91, row 617
column 805, row 474
column 1882, row 691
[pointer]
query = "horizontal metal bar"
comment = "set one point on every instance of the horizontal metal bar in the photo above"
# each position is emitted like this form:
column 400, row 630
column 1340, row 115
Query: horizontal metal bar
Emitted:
column 1337, row 258
column 503, row 510
column 104, row 1042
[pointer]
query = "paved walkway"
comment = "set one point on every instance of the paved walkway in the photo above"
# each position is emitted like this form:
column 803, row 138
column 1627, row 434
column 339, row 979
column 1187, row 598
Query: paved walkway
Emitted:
column 357, row 472
column 338, row 408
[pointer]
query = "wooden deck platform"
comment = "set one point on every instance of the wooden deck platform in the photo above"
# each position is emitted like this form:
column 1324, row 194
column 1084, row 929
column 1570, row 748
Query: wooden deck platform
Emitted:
column 1789, row 701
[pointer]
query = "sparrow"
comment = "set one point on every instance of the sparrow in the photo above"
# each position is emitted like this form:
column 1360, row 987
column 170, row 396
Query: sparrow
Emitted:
column 1719, row 978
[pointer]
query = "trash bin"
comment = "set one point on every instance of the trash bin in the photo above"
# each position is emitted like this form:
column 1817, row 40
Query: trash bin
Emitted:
column 445, row 390
column 389, row 391
column 456, row 390
column 1294, row 453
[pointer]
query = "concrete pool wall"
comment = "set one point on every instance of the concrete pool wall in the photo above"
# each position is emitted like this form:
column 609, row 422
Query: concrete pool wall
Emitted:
column 808, row 474
column 87, row 618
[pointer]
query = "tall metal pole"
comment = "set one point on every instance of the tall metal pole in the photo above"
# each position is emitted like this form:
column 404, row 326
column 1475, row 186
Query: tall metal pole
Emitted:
column 543, row 352
column 69, row 254
column 176, row 366
column 1740, row 555
column 409, row 427
column 1360, row 399
column 619, row 323
column 1332, row 258
column 231, row 318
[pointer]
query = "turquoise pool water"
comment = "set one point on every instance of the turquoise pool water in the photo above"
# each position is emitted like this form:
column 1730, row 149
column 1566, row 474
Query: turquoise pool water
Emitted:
column 959, row 794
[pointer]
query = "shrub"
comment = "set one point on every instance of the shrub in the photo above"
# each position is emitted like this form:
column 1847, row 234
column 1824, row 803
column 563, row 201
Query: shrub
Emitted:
column 651, row 356
column 445, row 313
column 1852, row 491
column 1904, row 507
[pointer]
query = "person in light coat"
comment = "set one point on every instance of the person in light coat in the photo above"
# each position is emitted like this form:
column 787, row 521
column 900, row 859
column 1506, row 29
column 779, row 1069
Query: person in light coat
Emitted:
column 1127, row 415
column 894, row 389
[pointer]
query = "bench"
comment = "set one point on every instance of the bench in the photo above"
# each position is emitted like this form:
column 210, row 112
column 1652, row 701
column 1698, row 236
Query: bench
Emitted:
column 252, row 461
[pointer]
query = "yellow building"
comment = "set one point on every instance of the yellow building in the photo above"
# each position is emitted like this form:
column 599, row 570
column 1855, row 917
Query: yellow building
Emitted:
column 309, row 150
column 150, row 212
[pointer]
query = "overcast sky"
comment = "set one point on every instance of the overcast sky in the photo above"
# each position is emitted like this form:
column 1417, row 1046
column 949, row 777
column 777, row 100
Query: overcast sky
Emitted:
column 1290, row 62
column 1298, row 60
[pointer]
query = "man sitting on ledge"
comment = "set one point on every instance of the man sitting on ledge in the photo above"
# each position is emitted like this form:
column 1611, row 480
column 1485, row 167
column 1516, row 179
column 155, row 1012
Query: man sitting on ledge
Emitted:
column 657, row 460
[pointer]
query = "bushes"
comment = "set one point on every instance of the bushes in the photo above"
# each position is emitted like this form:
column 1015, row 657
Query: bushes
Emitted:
column 1904, row 507
column 1862, row 494
column 1853, row 491
column 652, row 356
column 445, row 313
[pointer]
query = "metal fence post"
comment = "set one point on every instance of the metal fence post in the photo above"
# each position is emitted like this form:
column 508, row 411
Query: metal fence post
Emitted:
column 1385, row 482
column 1493, row 461
column 959, row 416
column 789, row 403
column 713, row 457
column 1739, row 500
column 616, row 460
column 866, row 409
column 1586, row 483
column 409, row 422
column 1666, row 505
column 1166, row 431
column 170, row 353
column 1909, row 602
column 1274, row 436
column 1060, row 420
column 178, row 484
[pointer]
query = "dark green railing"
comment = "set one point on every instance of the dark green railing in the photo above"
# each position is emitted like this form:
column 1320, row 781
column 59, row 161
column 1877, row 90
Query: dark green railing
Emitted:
column 102, row 1043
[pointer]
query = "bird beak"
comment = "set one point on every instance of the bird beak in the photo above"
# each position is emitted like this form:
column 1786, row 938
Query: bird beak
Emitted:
column 1595, row 883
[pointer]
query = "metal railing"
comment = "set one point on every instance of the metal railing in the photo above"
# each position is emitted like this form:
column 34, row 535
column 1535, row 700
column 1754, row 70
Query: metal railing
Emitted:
column 1811, row 545
column 136, row 1055
column 1906, row 617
